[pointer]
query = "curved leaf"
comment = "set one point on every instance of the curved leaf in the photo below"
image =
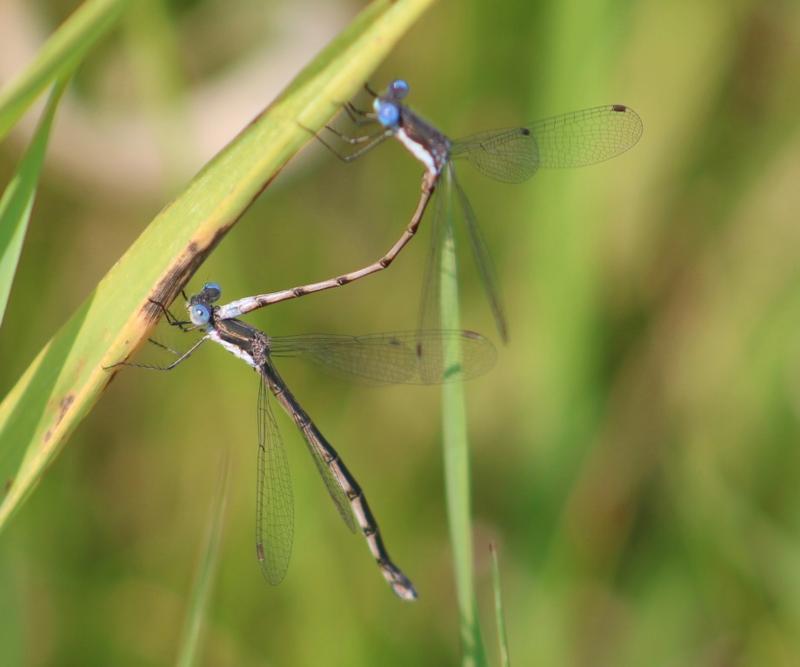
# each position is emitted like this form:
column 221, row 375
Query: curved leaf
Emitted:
column 17, row 200
column 66, row 378
column 62, row 52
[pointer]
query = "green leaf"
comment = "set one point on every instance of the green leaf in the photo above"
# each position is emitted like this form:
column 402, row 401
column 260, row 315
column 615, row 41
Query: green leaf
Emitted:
column 17, row 200
column 456, row 454
column 66, row 378
column 502, row 638
column 62, row 52
column 206, row 571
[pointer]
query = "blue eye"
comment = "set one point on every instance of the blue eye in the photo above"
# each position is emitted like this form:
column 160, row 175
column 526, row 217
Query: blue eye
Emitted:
column 213, row 291
column 398, row 89
column 199, row 314
column 388, row 113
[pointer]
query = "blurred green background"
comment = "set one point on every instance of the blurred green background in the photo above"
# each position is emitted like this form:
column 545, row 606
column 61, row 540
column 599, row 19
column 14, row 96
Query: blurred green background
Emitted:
column 635, row 450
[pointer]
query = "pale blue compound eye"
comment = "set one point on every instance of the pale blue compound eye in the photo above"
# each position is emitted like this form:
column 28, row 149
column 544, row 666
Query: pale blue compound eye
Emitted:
column 398, row 89
column 213, row 291
column 199, row 314
column 388, row 113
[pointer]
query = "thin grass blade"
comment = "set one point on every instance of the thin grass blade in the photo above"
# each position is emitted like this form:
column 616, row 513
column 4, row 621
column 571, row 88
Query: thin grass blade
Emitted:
column 206, row 571
column 456, row 463
column 430, row 304
column 19, row 195
column 502, row 638
column 62, row 52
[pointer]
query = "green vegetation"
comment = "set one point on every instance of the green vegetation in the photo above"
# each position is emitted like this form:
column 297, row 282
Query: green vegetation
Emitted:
column 634, row 453
column 18, row 197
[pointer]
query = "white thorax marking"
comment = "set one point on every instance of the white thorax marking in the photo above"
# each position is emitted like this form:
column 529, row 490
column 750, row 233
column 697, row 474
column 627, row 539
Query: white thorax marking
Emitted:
column 235, row 350
column 418, row 151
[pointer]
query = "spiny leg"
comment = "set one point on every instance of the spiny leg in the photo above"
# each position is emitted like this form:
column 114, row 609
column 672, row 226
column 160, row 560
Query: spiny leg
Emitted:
column 374, row 141
column 164, row 347
column 348, row 139
column 171, row 319
column 150, row 367
column 359, row 116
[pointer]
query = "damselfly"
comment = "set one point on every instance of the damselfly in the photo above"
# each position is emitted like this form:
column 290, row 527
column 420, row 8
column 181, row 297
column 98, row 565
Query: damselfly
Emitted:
column 511, row 155
column 405, row 357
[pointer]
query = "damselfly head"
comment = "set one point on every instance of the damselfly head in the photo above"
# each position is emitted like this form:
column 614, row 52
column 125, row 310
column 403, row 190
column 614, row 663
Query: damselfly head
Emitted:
column 386, row 106
column 212, row 292
column 199, row 305
column 388, row 112
column 398, row 89
column 199, row 314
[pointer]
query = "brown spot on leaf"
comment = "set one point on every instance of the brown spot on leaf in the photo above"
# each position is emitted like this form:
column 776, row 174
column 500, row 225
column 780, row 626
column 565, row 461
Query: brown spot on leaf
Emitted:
column 190, row 260
column 64, row 405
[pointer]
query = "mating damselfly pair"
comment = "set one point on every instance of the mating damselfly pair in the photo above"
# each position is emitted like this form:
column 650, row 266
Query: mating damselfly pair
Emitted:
column 423, row 356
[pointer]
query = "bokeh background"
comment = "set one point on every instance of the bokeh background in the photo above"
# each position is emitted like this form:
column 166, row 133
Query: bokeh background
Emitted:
column 635, row 451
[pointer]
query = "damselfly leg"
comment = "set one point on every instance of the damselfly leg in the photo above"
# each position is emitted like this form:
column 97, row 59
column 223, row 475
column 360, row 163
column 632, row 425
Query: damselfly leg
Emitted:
column 373, row 141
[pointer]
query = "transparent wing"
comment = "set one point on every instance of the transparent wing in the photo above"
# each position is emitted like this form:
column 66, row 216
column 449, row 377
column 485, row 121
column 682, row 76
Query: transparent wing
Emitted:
column 442, row 232
column 274, row 502
column 407, row 357
column 311, row 436
column 315, row 447
column 573, row 139
column 430, row 316
column 482, row 258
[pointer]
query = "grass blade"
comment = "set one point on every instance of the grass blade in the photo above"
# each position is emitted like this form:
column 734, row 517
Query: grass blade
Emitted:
column 62, row 52
column 206, row 571
column 456, row 456
column 502, row 638
column 66, row 378
column 17, row 200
